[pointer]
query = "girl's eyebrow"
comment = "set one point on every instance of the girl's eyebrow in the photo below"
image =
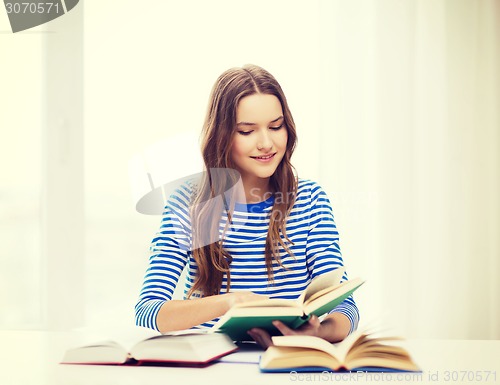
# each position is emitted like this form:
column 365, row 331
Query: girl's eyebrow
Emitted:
column 254, row 124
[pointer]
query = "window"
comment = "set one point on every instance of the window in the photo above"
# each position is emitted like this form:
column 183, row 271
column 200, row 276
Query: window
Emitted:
column 20, row 179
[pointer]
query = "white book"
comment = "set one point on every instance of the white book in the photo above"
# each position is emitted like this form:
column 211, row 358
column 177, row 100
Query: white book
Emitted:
column 182, row 348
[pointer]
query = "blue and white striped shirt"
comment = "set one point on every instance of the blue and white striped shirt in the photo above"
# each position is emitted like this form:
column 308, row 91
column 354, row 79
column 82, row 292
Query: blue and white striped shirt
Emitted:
column 310, row 226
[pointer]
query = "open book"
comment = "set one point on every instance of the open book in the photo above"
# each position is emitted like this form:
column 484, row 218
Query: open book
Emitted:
column 183, row 349
column 359, row 351
column 322, row 295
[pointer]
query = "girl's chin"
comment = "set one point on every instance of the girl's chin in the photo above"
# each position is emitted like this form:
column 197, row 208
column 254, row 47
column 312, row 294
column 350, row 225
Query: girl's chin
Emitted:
column 257, row 176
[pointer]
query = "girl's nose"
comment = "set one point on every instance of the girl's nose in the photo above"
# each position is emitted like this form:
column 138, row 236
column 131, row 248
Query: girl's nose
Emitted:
column 264, row 142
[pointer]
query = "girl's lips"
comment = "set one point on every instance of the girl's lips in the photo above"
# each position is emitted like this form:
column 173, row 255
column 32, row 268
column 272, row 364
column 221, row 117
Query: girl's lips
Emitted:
column 264, row 158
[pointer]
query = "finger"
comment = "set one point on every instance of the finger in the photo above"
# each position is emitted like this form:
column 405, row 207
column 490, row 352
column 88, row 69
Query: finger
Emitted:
column 285, row 330
column 314, row 321
column 261, row 340
column 261, row 337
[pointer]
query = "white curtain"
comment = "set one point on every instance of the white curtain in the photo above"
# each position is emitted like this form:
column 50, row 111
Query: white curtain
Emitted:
column 410, row 136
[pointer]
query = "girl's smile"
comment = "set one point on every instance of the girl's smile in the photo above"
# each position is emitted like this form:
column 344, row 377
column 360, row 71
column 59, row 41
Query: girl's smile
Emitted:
column 264, row 158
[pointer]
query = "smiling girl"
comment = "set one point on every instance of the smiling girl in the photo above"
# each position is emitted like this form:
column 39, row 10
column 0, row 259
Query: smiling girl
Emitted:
column 253, row 231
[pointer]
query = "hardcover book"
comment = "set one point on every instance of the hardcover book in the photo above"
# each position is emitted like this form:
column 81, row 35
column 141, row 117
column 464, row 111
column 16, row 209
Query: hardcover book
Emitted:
column 192, row 348
column 358, row 352
column 323, row 294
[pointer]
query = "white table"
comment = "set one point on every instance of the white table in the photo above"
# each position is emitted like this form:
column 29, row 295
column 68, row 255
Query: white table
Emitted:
column 32, row 358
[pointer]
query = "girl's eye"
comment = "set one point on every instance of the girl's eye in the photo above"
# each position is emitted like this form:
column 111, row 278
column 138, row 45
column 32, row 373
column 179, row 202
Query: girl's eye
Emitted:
column 244, row 133
column 277, row 128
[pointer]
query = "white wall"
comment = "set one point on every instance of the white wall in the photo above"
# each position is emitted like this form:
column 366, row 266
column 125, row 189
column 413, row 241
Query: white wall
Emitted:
column 396, row 107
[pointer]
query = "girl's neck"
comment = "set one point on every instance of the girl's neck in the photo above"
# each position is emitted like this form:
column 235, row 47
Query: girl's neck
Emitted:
column 257, row 190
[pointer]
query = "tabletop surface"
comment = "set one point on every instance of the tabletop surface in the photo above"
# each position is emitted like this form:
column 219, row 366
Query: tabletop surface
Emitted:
column 32, row 357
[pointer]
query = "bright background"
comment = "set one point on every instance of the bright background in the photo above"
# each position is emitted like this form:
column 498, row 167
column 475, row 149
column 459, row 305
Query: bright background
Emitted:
column 397, row 109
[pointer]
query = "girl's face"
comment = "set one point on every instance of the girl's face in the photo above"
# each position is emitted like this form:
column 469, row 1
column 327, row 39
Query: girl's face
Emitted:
column 260, row 140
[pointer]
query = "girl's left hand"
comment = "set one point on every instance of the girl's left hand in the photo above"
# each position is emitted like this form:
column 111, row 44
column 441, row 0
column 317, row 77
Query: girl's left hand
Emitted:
column 263, row 338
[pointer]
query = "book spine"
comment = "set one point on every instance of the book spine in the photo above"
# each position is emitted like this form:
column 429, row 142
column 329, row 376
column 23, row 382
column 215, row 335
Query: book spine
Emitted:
column 299, row 321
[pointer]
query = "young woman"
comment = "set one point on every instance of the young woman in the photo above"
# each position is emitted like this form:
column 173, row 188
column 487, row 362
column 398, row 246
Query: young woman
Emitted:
column 250, row 227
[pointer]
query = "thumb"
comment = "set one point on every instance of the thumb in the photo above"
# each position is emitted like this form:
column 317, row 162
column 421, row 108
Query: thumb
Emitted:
column 314, row 320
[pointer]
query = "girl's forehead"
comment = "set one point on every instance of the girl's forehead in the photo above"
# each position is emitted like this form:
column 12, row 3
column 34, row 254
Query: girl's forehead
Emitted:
column 257, row 108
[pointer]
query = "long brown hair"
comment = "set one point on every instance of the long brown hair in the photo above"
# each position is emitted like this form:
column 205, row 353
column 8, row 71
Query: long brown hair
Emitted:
column 217, row 136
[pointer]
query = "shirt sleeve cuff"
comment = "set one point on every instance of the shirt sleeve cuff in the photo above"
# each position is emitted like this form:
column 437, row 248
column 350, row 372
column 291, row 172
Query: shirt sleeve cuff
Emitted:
column 350, row 311
column 147, row 313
